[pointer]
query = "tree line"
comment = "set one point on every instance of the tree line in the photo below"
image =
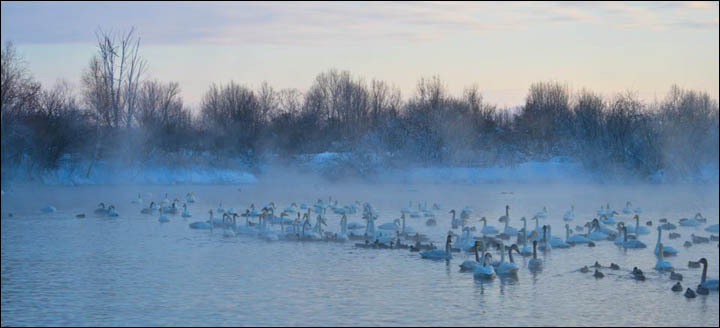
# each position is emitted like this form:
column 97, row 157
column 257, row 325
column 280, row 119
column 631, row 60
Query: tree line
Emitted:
column 120, row 113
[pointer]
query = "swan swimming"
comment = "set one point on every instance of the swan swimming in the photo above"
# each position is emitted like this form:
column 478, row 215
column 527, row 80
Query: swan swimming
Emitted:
column 535, row 263
column 575, row 239
column 470, row 265
column 487, row 229
column 485, row 271
column 661, row 264
column 667, row 250
column 569, row 215
column 439, row 254
column 711, row 284
column 507, row 268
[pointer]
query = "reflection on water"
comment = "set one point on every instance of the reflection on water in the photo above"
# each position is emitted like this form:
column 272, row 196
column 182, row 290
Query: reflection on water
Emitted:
column 59, row 270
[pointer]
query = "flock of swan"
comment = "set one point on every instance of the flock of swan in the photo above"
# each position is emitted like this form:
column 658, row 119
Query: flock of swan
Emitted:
column 296, row 223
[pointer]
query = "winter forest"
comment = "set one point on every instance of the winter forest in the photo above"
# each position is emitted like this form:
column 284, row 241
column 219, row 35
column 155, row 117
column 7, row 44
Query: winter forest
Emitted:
column 118, row 113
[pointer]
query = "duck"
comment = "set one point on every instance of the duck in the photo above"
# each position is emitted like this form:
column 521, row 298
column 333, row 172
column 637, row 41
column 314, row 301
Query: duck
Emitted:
column 439, row 254
column 699, row 239
column 569, row 215
column 661, row 264
column 614, row 266
column 677, row 287
column 584, row 269
column 79, row 216
column 487, row 229
column 689, row 293
column 676, row 276
column 598, row 274
column 535, row 264
column 485, row 271
column 667, row 250
column 687, row 244
column 638, row 274
column 710, row 284
column 693, row 264
column 674, row 235
column 668, row 226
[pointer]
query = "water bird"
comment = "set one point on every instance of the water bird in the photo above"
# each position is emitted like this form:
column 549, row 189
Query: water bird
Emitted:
column 163, row 218
column 101, row 210
column 487, row 229
column 439, row 254
column 676, row 276
column 112, row 212
column 535, row 263
column 677, row 287
column 689, row 293
column 585, row 269
column 699, row 239
column 570, row 215
column 711, row 284
column 666, row 250
column 661, row 264
column 486, row 270
column 598, row 274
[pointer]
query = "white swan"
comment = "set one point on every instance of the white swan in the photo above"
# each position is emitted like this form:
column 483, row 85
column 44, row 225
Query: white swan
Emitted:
column 632, row 243
column 712, row 228
column 165, row 202
column 138, row 200
column 510, row 231
column 576, row 238
column 711, row 284
column 694, row 222
column 661, row 264
column 163, row 218
column 190, row 198
column 112, row 212
column 638, row 229
column 627, row 209
column 186, row 212
column 542, row 214
column 487, row 229
column 556, row 242
column 343, row 236
column 535, row 263
column 202, row 225
column 595, row 233
column 439, row 254
column 526, row 250
column 485, row 271
column 101, row 210
column 471, row 265
column 667, row 250
column 148, row 210
column 545, row 243
column 569, row 215
column 507, row 268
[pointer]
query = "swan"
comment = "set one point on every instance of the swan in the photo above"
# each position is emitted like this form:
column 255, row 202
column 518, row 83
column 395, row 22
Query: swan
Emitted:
column 638, row 229
column 711, row 284
column 112, row 212
column 535, row 263
column 138, row 200
column 149, row 210
column 466, row 240
column 186, row 212
column 453, row 221
column 190, row 197
column 165, row 202
column 163, row 218
column 470, row 265
column 220, row 208
column 713, row 228
column 627, row 209
column 203, row 225
column 508, row 268
column 596, row 234
column 575, row 239
column 661, row 264
column 291, row 209
column 542, row 214
column 557, row 242
column 439, row 254
column 667, row 250
column 343, row 229
column 101, row 210
column 694, row 222
column 545, row 246
column 405, row 230
column 526, row 250
column 488, row 230
column 632, row 243
column 569, row 215
column 510, row 231
column 485, row 271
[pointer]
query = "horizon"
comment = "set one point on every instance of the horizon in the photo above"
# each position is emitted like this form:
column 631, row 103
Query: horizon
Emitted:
column 642, row 47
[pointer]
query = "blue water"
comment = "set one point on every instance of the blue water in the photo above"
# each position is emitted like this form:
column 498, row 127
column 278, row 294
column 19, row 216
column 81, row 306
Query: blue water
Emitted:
column 133, row 270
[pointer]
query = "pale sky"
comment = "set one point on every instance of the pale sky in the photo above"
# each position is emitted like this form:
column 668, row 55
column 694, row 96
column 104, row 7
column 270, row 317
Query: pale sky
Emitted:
column 502, row 47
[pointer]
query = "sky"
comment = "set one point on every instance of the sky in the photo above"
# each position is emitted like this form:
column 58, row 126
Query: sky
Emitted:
column 607, row 47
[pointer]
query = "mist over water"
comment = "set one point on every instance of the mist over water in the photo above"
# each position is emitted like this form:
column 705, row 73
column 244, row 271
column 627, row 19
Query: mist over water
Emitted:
column 133, row 270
